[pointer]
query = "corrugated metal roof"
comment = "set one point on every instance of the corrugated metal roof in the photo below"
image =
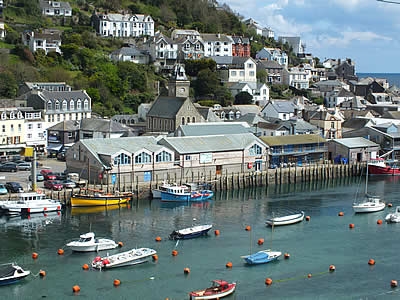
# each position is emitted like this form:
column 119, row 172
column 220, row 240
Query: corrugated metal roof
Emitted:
column 355, row 142
column 214, row 143
column 292, row 139
column 213, row 129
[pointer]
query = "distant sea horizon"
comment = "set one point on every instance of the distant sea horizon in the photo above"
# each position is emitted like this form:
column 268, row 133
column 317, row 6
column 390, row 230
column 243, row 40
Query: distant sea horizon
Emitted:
column 392, row 78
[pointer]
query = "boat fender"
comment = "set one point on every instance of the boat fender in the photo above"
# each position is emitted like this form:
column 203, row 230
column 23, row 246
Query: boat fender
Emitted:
column 249, row 165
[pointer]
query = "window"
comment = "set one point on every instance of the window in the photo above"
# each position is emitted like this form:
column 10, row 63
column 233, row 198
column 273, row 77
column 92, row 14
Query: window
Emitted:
column 142, row 158
column 122, row 159
column 57, row 106
column 255, row 150
column 64, row 105
column 86, row 104
column 332, row 124
column 29, row 135
column 3, row 115
column 250, row 66
column 71, row 105
column 251, row 73
column 12, row 116
column 12, row 127
column 19, row 127
column 79, row 104
column 39, row 125
column 163, row 156
column 187, row 157
column 30, row 126
column 233, row 73
column 241, row 73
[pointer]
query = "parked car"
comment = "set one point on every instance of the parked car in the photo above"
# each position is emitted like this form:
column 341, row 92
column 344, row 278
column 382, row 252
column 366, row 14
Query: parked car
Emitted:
column 59, row 175
column 25, row 166
column 3, row 189
column 8, row 167
column 54, row 185
column 14, row 187
column 50, row 176
column 69, row 183
column 39, row 177
column 45, row 171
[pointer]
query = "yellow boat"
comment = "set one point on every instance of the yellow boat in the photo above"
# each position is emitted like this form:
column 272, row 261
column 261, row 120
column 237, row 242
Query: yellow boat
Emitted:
column 99, row 199
column 78, row 210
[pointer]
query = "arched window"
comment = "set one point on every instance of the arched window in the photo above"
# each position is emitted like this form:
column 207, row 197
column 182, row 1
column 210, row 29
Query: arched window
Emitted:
column 255, row 150
column 20, row 115
column 49, row 105
column 188, row 120
column 183, row 120
column 163, row 156
column 142, row 158
column 4, row 115
column 12, row 116
column 71, row 105
column 64, row 105
column 86, row 104
column 57, row 106
column 79, row 104
column 122, row 159
column 194, row 120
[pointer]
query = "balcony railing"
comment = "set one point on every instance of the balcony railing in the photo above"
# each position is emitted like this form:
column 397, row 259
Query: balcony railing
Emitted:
column 275, row 152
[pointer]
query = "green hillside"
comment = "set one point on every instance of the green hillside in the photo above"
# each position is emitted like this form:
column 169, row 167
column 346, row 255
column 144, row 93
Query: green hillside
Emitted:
column 115, row 88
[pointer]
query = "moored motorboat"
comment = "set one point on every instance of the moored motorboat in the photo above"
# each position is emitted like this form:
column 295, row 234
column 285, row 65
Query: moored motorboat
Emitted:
column 11, row 273
column 88, row 242
column 185, row 193
column 29, row 203
column 218, row 289
column 381, row 166
column 190, row 232
column 286, row 220
column 393, row 217
column 131, row 257
column 99, row 198
column 156, row 192
column 262, row 257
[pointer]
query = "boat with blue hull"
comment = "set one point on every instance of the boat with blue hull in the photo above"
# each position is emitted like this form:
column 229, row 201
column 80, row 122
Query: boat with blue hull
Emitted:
column 262, row 257
column 190, row 232
column 185, row 193
column 11, row 273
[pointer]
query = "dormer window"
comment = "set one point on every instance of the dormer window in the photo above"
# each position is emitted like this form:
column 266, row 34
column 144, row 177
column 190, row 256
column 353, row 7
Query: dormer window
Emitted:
column 3, row 115
column 57, row 105
column 49, row 105
column 12, row 115
column 20, row 115
column 64, row 105
column 79, row 104
column 71, row 104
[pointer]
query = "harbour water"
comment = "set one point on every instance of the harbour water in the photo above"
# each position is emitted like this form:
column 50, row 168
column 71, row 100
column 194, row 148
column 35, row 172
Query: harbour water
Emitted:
column 313, row 245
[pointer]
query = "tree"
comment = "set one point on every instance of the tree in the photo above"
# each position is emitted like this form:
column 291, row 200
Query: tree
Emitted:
column 206, row 84
column 8, row 85
column 243, row 98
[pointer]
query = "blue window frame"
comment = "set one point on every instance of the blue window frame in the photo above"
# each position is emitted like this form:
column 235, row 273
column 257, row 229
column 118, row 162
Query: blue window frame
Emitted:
column 163, row 156
column 255, row 150
column 142, row 158
column 122, row 159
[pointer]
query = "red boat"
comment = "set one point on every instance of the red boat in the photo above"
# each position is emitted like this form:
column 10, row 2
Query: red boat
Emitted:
column 219, row 289
column 381, row 166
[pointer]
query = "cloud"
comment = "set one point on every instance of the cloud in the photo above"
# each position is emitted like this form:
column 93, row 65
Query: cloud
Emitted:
column 350, row 4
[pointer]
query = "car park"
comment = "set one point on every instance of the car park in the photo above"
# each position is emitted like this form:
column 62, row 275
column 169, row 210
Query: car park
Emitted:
column 45, row 171
column 39, row 177
column 8, row 167
column 54, row 185
column 25, row 166
column 3, row 189
column 14, row 187
column 50, row 176
column 61, row 156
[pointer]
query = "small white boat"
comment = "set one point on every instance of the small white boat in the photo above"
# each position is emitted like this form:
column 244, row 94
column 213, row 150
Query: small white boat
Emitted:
column 88, row 242
column 370, row 204
column 161, row 188
column 190, row 232
column 29, row 203
column 128, row 258
column 286, row 220
column 11, row 273
column 393, row 217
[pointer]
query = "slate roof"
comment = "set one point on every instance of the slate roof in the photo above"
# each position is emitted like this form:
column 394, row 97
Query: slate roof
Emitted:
column 215, row 37
column 355, row 123
column 283, row 106
column 166, row 107
column 46, row 4
column 203, row 129
column 77, row 94
column 268, row 64
column 128, row 51
column 208, row 114
column 212, row 143
column 252, row 119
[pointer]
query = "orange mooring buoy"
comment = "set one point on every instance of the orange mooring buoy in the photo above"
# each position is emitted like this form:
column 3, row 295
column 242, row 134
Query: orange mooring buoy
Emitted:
column 332, row 268
column 379, row 222
column 155, row 257
column 309, row 275
column 308, row 218
column 60, row 251
column 35, row 255
column 248, row 228
column 76, row 288
column 216, row 232
column 393, row 283
column 371, row 262
column 186, row 270
column 351, row 225
column 174, row 253
column 341, row 214
column 390, row 204
column 85, row 267
column 286, row 255
column 268, row 281
column 260, row 241
column 42, row 273
column 120, row 244
column 117, row 282
column 229, row 264
column 158, row 239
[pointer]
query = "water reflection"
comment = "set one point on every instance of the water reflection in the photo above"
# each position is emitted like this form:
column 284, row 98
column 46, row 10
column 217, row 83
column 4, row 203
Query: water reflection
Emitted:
column 29, row 223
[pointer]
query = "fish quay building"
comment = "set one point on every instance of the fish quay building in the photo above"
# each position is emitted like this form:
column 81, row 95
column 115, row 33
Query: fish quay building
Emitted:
column 226, row 161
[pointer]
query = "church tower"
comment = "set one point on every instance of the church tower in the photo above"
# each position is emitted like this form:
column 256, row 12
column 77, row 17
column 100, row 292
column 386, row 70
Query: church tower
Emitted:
column 178, row 85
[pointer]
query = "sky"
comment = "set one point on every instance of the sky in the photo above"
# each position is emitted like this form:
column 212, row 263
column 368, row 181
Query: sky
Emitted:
column 366, row 31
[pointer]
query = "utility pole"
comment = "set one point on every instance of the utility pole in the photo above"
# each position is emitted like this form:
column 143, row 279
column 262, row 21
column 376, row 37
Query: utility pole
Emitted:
column 33, row 171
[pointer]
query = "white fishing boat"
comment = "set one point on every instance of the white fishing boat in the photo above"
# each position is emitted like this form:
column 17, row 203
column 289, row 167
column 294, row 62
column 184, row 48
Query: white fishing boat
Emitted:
column 88, row 242
column 286, row 220
column 393, row 217
column 29, row 203
column 11, row 273
column 128, row 258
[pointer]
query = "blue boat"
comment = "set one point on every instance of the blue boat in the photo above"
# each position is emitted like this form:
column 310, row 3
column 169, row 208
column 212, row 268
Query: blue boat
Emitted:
column 11, row 273
column 185, row 193
column 190, row 232
column 262, row 257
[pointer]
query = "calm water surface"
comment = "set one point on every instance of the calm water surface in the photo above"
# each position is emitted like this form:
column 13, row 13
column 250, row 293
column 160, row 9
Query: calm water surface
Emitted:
column 313, row 245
